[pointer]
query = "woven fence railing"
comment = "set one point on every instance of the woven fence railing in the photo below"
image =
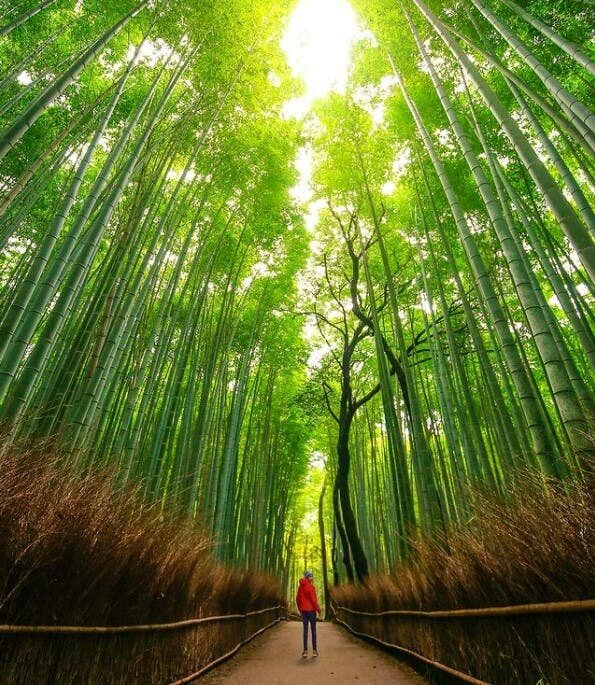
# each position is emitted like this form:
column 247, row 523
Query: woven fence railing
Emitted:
column 551, row 608
column 98, row 631
column 573, row 607
column 113, row 630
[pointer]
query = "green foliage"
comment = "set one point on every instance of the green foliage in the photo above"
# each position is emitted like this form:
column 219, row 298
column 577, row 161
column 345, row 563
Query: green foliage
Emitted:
column 157, row 274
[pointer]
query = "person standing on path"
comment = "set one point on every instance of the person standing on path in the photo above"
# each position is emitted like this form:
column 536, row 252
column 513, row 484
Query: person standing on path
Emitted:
column 308, row 606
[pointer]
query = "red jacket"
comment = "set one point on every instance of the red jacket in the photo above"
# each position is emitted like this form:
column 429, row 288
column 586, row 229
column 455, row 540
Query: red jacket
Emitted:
column 306, row 596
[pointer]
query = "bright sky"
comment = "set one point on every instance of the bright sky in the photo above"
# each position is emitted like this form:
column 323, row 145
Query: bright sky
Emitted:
column 317, row 43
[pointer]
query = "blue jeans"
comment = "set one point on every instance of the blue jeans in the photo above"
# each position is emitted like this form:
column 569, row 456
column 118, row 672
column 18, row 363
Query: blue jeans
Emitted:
column 309, row 617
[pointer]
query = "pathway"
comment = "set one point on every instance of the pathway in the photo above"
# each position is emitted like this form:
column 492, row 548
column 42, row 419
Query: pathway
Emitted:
column 274, row 658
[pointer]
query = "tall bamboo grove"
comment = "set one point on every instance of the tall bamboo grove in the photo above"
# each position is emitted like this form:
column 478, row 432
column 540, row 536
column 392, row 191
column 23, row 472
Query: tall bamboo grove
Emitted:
column 156, row 273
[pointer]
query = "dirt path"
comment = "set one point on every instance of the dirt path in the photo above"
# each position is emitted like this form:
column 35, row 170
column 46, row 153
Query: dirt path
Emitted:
column 275, row 659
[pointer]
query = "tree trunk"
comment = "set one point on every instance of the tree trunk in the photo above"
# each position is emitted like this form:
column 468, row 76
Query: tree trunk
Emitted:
column 327, row 609
column 360, row 563
column 343, row 536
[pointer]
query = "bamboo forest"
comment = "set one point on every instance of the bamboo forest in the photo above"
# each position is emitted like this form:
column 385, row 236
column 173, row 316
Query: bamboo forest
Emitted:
column 297, row 285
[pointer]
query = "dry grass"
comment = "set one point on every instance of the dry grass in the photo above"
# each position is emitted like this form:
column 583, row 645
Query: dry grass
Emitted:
column 538, row 547
column 78, row 550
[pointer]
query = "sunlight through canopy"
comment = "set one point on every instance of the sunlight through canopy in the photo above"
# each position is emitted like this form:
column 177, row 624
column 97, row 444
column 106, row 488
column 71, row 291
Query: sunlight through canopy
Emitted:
column 318, row 42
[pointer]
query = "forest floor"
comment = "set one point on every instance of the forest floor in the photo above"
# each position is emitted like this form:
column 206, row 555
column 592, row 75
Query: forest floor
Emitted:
column 274, row 658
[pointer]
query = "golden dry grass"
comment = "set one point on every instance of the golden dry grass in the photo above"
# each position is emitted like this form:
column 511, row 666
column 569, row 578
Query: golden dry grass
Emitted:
column 76, row 549
column 537, row 547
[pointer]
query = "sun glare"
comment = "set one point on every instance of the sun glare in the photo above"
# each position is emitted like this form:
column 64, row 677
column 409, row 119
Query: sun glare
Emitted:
column 317, row 43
